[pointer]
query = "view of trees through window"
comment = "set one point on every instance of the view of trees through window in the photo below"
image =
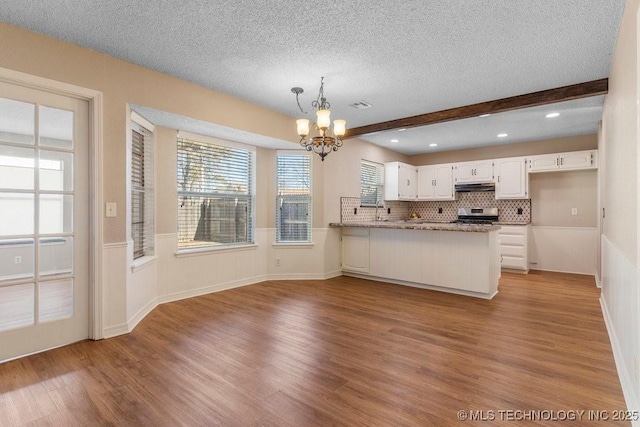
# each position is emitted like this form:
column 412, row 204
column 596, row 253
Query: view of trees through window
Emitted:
column 215, row 194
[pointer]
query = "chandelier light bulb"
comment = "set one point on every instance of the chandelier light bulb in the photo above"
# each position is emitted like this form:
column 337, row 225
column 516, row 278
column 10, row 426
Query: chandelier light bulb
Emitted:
column 303, row 127
column 323, row 118
column 339, row 127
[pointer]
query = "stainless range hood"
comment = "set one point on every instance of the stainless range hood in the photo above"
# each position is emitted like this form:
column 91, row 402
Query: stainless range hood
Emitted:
column 475, row 187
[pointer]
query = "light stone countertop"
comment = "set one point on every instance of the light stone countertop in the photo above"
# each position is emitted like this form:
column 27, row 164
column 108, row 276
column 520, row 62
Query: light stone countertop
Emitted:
column 419, row 225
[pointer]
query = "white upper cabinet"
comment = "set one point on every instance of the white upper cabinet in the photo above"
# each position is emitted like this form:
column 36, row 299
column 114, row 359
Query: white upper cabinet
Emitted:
column 400, row 181
column 435, row 182
column 478, row 171
column 587, row 159
column 511, row 178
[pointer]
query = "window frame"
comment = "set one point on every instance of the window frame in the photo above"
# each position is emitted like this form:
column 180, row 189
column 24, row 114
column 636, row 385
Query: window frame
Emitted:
column 184, row 249
column 379, row 185
column 282, row 199
column 140, row 125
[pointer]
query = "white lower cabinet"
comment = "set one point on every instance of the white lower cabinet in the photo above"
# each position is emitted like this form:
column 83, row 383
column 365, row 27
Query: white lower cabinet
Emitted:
column 355, row 249
column 513, row 247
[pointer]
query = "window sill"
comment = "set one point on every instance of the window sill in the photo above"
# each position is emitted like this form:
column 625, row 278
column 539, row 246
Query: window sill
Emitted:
column 293, row 245
column 142, row 262
column 210, row 250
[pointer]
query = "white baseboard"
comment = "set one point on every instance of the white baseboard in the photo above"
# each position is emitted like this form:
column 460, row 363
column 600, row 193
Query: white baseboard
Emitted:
column 141, row 314
column 626, row 379
column 298, row 276
column 210, row 289
column 114, row 331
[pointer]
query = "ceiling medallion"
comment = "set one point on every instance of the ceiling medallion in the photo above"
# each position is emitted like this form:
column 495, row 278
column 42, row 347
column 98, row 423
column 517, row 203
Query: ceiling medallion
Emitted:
column 322, row 143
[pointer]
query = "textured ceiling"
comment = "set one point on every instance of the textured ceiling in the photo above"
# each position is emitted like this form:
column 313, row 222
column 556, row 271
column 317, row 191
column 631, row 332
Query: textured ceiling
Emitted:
column 403, row 57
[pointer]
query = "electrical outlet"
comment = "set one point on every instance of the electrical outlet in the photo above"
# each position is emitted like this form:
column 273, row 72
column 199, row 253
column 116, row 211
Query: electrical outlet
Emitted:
column 388, row 210
column 17, row 260
column 277, row 262
column 520, row 211
column 110, row 210
column 574, row 211
column 439, row 210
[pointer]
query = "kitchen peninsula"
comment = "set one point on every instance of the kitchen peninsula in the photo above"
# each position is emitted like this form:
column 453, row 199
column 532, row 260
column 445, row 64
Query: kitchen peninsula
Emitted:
column 456, row 258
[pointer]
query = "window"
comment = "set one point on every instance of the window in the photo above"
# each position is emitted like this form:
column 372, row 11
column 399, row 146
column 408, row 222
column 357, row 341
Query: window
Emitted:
column 215, row 192
column 142, row 223
column 293, row 200
column 371, row 182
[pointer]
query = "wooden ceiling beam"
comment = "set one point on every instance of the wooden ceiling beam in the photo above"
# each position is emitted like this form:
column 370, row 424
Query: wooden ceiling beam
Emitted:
column 550, row 96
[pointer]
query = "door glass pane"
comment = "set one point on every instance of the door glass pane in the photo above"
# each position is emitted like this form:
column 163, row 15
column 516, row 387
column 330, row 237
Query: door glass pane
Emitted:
column 16, row 306
column 56, row 171
column 17, row 120
column 16, row 168
column 16, row 259
column 56, row 255
column 56, row 213
column 56, row 127
column 16, row 214
column 55, row 300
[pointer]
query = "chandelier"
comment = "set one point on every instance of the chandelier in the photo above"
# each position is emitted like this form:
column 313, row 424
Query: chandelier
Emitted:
column 322, row 143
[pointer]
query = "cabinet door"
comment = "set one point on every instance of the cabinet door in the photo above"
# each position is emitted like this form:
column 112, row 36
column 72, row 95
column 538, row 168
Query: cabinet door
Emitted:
column 548, row 162
column 483, row 171
column 511, row 178
column 577, row 160
column 464, row 173
column 355, row 250
column 407, row 182
column 443, row 189
column 426, row 180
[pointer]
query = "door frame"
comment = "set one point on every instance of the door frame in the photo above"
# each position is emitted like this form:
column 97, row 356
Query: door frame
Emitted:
column 94, row 98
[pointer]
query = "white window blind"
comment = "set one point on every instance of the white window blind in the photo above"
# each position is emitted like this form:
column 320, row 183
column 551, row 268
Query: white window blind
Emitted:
column 142, row 213
column 371, row 183
column 215, row 194
column 293, row 203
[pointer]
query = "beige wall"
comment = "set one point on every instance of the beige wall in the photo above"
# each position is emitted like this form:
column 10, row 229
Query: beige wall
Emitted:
column 620, row 135
column 558, row 145
column 554, row 194
column 123, row 83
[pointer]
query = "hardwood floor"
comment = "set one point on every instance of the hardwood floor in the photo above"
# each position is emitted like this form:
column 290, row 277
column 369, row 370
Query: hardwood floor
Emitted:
column 339, row 352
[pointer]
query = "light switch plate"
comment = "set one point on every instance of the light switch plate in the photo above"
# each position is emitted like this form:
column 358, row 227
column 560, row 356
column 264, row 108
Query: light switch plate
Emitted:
column 110, row 210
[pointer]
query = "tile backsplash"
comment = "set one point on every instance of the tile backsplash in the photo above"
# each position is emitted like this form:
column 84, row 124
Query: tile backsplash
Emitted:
column 351, row 211
column 429, row 210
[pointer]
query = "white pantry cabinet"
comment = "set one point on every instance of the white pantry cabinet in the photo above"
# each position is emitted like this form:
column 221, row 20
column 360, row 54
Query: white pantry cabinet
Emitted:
column 575, row 160
column 512, row 180
column 355, row 249
column 470, row 172
column 435, row 182
column 513, row 247
column 400, row 181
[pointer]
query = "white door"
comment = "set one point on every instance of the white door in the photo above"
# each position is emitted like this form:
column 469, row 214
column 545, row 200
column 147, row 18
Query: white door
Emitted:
column 465, row 173
column 483, row 171
column 426, row 182
column 407, row 182
column 44, row 227
column 576, row 160
column 511, row 182
column 546, row 162
column 444, row 182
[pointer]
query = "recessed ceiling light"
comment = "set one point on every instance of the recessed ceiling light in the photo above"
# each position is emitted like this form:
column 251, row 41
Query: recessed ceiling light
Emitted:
column 395, row 140
column 552, row 115
column 484, row 115
column 433, row 145
column 503, row 135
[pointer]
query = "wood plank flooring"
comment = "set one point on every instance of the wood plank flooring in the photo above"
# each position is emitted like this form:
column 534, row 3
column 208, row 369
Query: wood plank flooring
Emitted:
column 344, row 351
